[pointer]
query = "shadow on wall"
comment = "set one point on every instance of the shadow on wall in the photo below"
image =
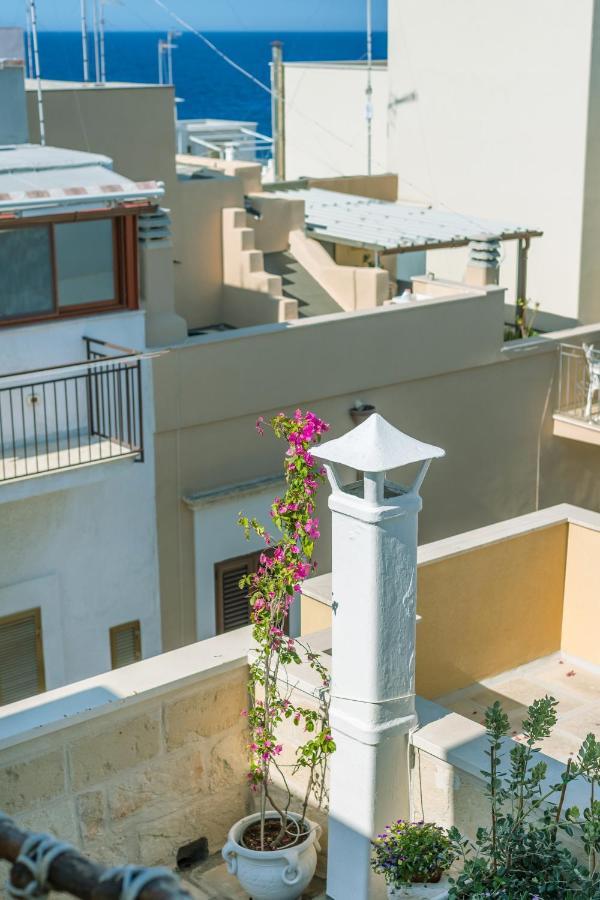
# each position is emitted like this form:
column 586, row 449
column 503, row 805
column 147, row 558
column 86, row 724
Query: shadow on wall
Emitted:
column 12, row 723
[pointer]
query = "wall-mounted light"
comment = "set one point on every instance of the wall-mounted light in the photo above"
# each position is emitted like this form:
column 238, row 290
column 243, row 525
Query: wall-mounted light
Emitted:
column 360, row 411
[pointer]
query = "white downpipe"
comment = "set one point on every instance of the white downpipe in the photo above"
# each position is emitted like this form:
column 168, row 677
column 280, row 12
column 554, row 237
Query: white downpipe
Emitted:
column 84, row 41
column 36, row 61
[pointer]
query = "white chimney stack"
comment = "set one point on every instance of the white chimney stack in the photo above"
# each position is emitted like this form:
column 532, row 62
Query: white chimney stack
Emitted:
column 374, row 573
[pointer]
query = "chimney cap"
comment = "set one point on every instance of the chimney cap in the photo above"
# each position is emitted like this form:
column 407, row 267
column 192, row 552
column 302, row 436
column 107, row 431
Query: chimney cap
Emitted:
column 376, row 446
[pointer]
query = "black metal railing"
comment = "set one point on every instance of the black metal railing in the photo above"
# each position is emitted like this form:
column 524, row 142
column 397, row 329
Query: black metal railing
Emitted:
column 92, row 411
column 41, row 865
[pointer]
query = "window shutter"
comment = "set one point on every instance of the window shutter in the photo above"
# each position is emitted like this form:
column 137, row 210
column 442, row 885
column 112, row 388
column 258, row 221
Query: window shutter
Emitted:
column 21, row 656
column 125, row 644
column 233, row 609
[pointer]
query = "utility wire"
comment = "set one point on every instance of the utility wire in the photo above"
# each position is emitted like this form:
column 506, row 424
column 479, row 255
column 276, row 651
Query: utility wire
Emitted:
column 267, row 89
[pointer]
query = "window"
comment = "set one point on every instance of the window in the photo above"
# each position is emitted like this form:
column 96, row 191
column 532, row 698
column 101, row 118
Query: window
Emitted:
column 25, row 273
column 67, row 266
column 85, row 266
column 233, row 609
column 21, row 656
column 125, row 644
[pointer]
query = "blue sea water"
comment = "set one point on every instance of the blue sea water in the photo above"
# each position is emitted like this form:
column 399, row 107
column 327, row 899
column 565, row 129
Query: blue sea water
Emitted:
column 207, row 86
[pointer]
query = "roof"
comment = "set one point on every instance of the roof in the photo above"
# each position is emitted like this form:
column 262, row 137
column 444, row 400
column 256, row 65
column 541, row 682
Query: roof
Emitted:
column 35, row 178
column 376, row 446
column 393, row 227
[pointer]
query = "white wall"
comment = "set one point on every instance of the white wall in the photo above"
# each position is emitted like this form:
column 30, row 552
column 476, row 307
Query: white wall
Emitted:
column 218, row 537
column 326, row 131
column 499, row 126
column 84, row 549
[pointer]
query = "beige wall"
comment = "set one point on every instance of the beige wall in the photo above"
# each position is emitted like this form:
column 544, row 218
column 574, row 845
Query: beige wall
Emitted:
column 497, row 129
column 581, row 624
column 434, row 370
column 135, row 783
column 134, row 125
column 489, row 610
column 326, row 130
column 382, row 186
column 198, row 251
column 315, row 616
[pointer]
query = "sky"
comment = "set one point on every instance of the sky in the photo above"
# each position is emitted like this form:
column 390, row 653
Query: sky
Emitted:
column 217, row 15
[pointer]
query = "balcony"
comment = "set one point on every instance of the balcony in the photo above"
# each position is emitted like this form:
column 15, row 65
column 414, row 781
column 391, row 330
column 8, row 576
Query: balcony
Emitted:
column 72, row 415
column 577, row 416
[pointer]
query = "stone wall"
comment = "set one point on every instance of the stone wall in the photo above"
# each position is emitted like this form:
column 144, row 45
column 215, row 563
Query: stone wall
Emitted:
column 137, row 780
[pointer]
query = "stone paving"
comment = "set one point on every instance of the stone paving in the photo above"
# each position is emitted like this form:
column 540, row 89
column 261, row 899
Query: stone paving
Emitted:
column 211, row 881
column 576, row 687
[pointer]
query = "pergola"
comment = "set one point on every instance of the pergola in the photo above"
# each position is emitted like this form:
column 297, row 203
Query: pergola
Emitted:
column 387, row 228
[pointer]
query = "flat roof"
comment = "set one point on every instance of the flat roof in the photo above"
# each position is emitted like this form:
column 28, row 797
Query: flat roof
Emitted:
column 387, row 227
column 336, row 64
column 34, row 179
column 50, row 84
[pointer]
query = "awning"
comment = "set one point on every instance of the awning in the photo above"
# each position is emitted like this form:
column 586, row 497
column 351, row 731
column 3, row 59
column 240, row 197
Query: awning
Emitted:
column 35, row 180
column 386, row 227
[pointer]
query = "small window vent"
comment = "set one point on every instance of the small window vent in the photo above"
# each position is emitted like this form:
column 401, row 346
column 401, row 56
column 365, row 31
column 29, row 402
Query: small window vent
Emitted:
column 21, row 656
column 233, row 609
column 125, row 644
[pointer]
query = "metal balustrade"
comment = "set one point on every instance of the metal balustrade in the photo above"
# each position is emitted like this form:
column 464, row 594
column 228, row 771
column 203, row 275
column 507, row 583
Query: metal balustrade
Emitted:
column 72, row 415
column 579, row 383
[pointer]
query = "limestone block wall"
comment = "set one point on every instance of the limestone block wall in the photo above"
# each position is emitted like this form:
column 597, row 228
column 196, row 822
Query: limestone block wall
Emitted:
column 137, row 780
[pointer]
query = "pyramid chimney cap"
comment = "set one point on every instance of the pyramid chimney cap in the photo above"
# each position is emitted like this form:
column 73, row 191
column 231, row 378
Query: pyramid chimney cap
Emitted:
column 376, row 446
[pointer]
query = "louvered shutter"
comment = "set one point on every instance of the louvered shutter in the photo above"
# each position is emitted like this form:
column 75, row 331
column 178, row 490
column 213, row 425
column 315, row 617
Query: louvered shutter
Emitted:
column 21, row 656
column 125, row 644
column 233, row 610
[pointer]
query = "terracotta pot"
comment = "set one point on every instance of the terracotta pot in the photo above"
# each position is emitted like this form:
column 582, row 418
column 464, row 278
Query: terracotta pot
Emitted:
column 272, row 874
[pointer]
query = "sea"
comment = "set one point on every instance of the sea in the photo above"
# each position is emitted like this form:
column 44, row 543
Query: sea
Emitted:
column 206, row 86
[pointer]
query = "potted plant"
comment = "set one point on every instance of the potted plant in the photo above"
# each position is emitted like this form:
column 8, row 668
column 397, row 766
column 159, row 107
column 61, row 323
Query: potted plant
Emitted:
column 413, row 857
column 273, row 853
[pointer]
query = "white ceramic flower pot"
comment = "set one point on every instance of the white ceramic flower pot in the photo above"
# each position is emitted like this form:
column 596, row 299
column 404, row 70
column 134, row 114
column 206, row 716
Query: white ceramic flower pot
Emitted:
column 438, row 891
column 272, row 874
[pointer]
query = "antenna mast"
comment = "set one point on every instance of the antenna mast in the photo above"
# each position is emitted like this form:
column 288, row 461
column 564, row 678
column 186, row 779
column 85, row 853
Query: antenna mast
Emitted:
column 369, row 90
column 102, row 53
column 96, row 46
column 84, row 41
column 36, row 61
column 29, row 48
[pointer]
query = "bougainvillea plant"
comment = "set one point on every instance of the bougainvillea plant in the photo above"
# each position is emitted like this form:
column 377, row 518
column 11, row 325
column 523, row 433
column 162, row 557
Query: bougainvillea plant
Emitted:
column 283, row 565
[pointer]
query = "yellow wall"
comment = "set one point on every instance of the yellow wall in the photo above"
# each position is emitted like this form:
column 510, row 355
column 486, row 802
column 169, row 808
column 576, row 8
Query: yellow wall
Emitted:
column 315, row 615
column 581, row 623
column 486, row 610
column 490, row 610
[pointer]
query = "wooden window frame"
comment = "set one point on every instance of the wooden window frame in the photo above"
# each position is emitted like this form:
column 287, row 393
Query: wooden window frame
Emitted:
column 36, row 613
column 125, row 265
column 117, row 629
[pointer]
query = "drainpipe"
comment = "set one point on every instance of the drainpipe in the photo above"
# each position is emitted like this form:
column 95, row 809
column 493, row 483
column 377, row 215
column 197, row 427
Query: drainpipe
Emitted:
column 277, row 110
column 374, row 573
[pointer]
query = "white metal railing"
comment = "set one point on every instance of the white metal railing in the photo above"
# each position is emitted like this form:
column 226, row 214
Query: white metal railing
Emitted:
column 579, row 382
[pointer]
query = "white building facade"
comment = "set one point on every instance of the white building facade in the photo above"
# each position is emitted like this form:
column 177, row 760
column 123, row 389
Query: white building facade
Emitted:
column 78, row 562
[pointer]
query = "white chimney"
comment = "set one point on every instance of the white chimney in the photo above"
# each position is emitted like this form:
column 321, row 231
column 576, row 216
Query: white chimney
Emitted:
column 374, row 574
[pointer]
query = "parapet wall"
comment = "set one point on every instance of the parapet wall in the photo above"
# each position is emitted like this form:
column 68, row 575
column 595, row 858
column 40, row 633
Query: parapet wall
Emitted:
column 137, row 776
